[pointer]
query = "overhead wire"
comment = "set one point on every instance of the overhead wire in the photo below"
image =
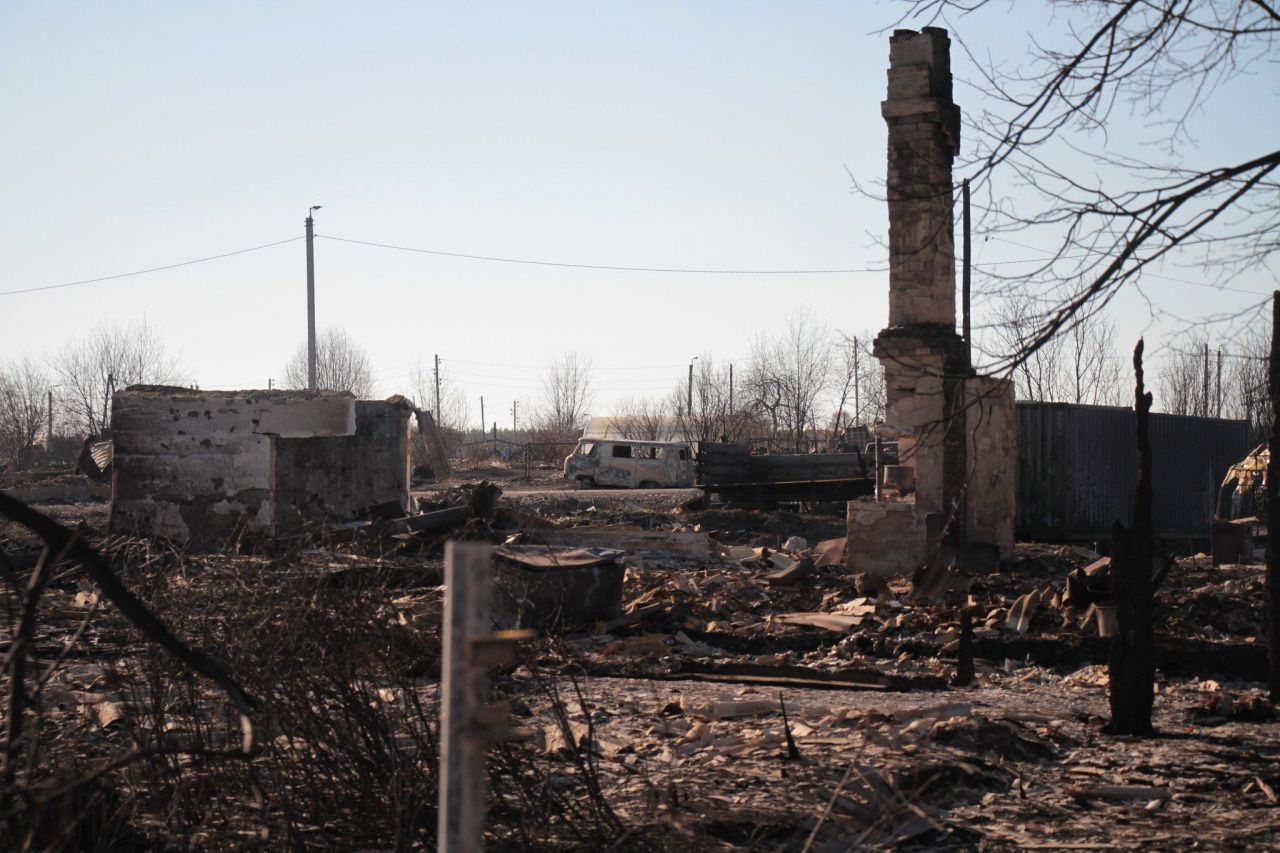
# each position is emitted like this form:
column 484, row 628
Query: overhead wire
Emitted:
column 1050, row 256
column 150, row 270
column 607, row 267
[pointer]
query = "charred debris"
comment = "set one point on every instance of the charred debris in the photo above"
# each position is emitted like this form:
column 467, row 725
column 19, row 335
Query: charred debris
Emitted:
column 242, row 623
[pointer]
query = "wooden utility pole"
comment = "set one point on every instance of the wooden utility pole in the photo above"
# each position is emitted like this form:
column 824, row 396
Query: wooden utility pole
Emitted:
column 515, row 404
column 1204, row 396
column 1218, row 406
column 689, row 404
column 106, row 402
column 439, row 419
column 1132, row 661
column 48, row 445
column 731, row 388
column 482, row 420
column 857, row 405
column 1273, row 503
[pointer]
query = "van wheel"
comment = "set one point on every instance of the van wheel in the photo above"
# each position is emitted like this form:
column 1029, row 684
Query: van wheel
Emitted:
column 586, row 483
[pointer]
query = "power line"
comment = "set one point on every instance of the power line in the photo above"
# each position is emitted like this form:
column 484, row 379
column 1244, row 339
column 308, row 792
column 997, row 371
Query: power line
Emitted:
column 1050, row 256
column 545, row 367
column 566, row 264
column 146, row 271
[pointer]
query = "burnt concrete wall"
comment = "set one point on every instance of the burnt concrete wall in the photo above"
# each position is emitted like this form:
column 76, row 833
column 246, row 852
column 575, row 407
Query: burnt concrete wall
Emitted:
column 193, row 466
column 327, row 479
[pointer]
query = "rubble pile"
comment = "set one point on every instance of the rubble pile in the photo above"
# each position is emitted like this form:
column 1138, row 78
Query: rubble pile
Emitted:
column 751, row 688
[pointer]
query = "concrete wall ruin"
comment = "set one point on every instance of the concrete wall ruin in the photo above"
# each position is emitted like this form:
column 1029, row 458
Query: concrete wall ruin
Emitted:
column 199, row 467
column 327, row 479
column 954, row 429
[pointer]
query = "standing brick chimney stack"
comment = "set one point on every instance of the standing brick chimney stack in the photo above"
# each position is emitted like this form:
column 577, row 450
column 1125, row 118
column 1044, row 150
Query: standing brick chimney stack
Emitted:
column 924, row 137
column 952, row 487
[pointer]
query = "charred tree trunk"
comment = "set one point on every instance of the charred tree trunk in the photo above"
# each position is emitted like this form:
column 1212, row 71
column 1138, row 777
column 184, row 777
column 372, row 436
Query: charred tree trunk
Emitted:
column 964, row 659
column 1132, row 664
column 1273, row 501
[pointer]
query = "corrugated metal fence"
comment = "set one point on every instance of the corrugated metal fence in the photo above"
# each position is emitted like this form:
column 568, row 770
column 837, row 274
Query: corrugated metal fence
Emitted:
column 1077, row 470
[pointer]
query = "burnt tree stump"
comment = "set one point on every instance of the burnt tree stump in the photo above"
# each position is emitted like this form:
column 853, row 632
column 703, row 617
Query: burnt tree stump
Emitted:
column 1132, row 662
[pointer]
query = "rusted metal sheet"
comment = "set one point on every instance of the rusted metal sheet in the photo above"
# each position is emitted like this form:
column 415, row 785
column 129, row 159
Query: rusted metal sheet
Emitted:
column 1077, row 470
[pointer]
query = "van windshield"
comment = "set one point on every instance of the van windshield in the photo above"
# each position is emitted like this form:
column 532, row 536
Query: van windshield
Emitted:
column 586, row 448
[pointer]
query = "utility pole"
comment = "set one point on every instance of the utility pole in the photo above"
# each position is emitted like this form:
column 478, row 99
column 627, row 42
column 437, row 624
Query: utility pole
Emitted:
column 1204, row 397
column 48, row 445
column 731, row 388
column 689, row 404
column 311, row 299
column 514, row 405
column 269, row 382
column 1219, row 391
column 482, row 420
column 106, row 401
column 439, row 419
column 966, row 274
column 857, row 405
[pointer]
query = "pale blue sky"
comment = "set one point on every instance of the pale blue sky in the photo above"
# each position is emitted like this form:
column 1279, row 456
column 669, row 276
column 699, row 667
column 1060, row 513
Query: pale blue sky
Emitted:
column 659, row 134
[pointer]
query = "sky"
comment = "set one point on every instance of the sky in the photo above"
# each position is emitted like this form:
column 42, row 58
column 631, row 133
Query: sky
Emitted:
column 713, row 135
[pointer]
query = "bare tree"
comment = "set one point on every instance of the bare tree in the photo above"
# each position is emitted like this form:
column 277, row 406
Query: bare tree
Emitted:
column 1183, row 378
column 1088, row 184
column 646, row 418
column 566, row 393
column 455, row 409
column 1245, row 394
column 790, row 374
column 341, row 365
column 1038, row 377
column 711, row 418
column 23, row 410
column 110, row 357
column 1079, row 365
column 1093, row 363
column 860, row 389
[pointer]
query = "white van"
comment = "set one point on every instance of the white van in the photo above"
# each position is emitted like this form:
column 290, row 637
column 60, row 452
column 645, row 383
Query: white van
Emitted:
column 630, row 464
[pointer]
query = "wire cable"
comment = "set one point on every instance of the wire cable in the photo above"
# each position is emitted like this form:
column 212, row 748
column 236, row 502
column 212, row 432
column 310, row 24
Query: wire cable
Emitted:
column 1050, row 257
column 565, row 264
column 151, row 270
